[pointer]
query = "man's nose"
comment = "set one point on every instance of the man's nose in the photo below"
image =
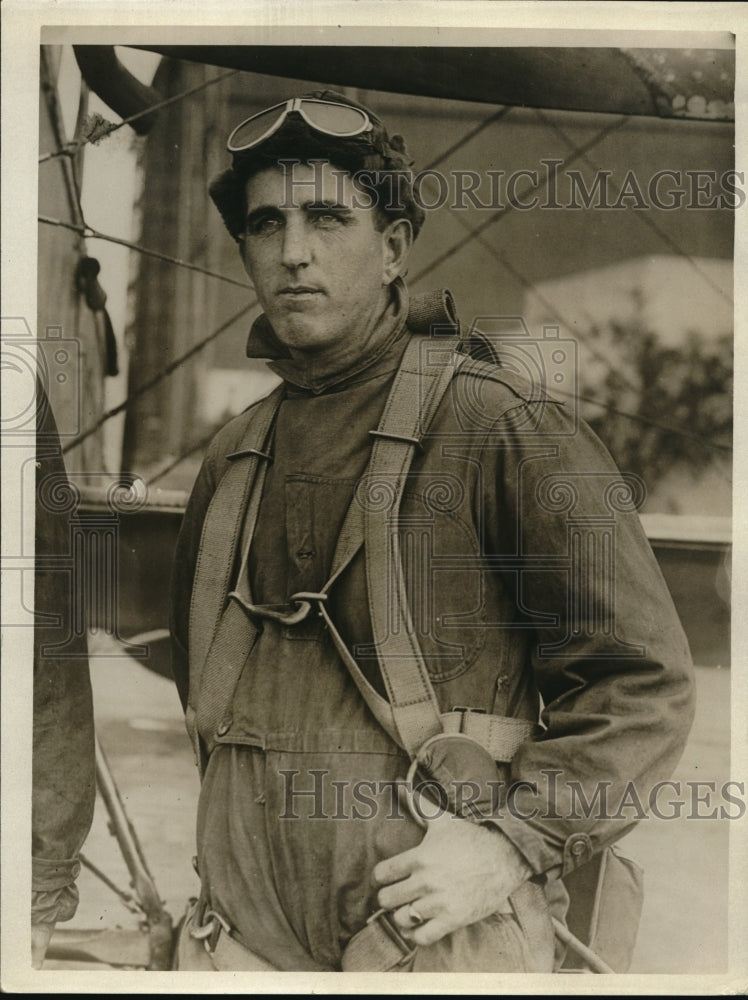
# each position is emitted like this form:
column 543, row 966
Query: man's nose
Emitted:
column 296, row 246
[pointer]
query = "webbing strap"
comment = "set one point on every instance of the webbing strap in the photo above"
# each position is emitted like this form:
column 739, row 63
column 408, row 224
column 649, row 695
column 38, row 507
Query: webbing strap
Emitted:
column 420, row 384
column 220, row 631
column 413, row 400
column 499, row 735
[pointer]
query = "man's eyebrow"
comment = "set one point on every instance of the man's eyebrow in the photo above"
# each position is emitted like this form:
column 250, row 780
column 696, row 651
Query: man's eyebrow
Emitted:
column 261, row 211
column 328, row 206
column 272, row 210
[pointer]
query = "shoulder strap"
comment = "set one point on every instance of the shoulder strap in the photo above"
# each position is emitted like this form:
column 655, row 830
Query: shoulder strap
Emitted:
column 422, row 381
column 411, row 713
column 223, row 525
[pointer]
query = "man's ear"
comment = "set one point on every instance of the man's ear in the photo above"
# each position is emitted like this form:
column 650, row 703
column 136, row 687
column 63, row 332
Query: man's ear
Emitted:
column 397, row 239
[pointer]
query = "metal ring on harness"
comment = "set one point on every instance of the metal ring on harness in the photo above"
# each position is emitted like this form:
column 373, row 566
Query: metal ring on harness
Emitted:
column 303, row 601
column 414, row 764
column 211, row 920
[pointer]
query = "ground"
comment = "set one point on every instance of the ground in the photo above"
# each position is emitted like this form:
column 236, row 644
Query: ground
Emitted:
column 139, row 722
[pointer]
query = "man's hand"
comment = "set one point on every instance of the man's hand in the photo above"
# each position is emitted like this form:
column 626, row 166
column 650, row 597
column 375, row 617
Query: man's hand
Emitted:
column 460, row 873
column 40, row 937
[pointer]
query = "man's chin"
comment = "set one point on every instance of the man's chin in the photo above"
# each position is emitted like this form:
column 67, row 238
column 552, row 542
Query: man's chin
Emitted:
column 301, row 336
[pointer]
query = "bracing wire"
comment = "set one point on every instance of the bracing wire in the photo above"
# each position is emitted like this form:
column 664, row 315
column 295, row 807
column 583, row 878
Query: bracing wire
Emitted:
column 645, row 217
column 480, row 127
column 88, row 233
column 158, row 377
column 193, row 449
column 92, row 234
column 501, row 213
column 647, row 421
column 71, row 148
column 576, row 152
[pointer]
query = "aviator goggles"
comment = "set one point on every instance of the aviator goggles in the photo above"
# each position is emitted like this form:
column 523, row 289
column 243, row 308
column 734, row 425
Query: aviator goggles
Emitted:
column 326, row 117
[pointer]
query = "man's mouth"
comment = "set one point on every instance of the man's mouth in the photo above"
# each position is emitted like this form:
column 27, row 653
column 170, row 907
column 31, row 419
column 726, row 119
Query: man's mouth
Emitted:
column 299, row 290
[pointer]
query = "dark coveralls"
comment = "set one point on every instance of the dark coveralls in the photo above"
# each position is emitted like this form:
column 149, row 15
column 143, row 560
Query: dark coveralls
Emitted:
column 286, row 839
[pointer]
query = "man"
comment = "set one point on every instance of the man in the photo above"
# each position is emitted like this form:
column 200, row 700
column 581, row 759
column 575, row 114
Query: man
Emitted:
column 294, row 593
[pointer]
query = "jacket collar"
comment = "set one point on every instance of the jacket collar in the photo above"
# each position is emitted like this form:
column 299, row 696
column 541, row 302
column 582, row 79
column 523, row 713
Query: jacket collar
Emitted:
column 419, row 315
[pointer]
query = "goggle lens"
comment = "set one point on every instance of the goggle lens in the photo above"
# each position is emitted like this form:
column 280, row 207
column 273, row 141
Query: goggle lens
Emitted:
column 335, row 119
column 254, row 129
column 323, row 116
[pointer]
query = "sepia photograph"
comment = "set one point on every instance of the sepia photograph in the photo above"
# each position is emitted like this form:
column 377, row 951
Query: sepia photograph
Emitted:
column 368, row 427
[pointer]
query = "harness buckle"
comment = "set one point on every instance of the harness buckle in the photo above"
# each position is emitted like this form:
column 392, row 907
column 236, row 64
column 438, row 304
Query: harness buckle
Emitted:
column 465, row 710
column 384, row 919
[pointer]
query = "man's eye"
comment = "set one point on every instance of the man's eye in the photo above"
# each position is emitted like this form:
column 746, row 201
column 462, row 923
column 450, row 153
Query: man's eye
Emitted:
column 327, row 219
column 263, row 226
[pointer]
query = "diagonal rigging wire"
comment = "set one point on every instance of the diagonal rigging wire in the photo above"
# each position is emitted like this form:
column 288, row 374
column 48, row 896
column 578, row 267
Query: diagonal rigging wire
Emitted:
column 596, row 353
column 477, row 235
column 92, row 234
column 526, row 283
column 496, row 116
column 193, row 449
column 644, row 216
column 517, row 200
column 648, row 421
column 70, row 148
column 87, row 232
column 479, row 238
column 158, row 377
column 639, row 418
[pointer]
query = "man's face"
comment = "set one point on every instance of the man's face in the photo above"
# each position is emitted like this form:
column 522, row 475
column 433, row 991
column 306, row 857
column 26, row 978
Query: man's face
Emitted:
column 318, row 263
